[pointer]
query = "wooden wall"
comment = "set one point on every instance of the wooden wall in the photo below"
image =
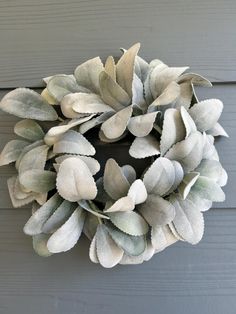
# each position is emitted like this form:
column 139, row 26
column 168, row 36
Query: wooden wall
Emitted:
column 40, row 38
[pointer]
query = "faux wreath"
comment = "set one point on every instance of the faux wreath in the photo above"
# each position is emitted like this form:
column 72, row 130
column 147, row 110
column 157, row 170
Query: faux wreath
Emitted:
column 127, row 219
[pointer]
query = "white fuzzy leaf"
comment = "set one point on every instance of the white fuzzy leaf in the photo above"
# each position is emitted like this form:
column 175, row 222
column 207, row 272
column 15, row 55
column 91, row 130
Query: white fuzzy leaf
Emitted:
column 187, row 183
column 29, row 129
column 189, row 124
column 125, row 203
column 18, row 202
column 40, row 245
column 208, row 189
column 137, row 192
column 143, row 147
column 162, row 237
column 142, row 125
column 39, row 181
column 12, row 151
column 92, row 123
column 217, row 130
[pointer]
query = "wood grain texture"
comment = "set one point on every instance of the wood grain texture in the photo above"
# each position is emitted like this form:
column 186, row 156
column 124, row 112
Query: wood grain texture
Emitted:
column 226, row 147
column 39, row 38
column 182, row 279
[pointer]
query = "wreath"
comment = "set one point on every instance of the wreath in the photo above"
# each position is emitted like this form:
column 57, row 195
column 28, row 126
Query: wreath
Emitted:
column 127, row 219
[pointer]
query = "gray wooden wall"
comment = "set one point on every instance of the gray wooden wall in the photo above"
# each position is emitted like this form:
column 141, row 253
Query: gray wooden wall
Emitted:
column 39, row 38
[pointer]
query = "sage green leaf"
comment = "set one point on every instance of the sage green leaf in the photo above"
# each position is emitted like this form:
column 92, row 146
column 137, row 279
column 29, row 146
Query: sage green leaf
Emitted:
column 115, row 126
column 187, row 183
column 173, row 130
column 25, row 103
column 142, row 125
column 143, row 147
column 115, row 183
column 48, row 97
column 141, row 68
column 189, row 124
column 75, row 181
column 160, row 176
column 105, row 139
column 108, row 253
column 185, row 97
column 73, row 142
column 92, row 208
column 18, row 202
column 223, row 178
column 129, row 172
column 125, row 68
column 188, row 152
column 55, row 133
column 209, row 150
column 132, row 245
column 162, row 76
column 92, row 123
column 157, row 211
column 139, row 259
column 29, row 129
column 162, row 237
column 208, row 189
column 61, row 85
column 34, row 159
column 188, row 221
column 12, row 151
column 90, row 225
column 66, row 106
column 93, row 251
column 129, row 222
column 167, row 97
column 19, row 191
column 201, row 203
column 123, row 204
column 102, row 195
column 112, row 93
column 195, row 79
column 138, row 93
column 110, row 67
column 66, row 236
column 206, row 113
column 211, row 169
column 37, row 220
column 217, row 130
column 92, row 163
column 39, row 181
column 40, row 245
column 27, row 149
column 58, row 217
column 137, row 192
column 87, row 74
column 179, row 174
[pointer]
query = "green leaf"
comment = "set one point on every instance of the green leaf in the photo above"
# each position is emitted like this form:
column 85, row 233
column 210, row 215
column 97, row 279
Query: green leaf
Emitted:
column 132, row 245
column 75, row 181
column 66, row 236
column 12, row 151
column 26, row 103
column 40, row 181
column 73, row 142
column 35, row 223
column 129, row 222
column 29, row 129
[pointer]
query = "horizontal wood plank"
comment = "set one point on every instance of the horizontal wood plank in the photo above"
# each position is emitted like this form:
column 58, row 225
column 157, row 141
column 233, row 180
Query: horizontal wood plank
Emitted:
column 41, row 38
column 226, row 147
column 181, row 279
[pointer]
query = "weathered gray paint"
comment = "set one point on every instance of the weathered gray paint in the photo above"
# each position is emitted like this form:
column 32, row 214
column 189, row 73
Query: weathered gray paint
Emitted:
column 39, row 38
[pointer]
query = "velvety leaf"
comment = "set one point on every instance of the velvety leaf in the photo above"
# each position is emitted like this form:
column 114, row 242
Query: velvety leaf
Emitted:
column 223, row 178
column 65, row 237
column 143, row 147
column 90, row 225
column 208, row 189
column 210, row 168
column 112, row 93
column 173, row 130
column 61, row 85
column 116, row 125
column 139, row 259
column 12, row 151
column 206, row 113
column 189, row 124
column 132, row 245
column 18, row 202
column 138, row 93
column 105, row 139
column 129, row 172
column 179, row 174
column 73, row 142
column 93, row 251
column 58, row 217
column 110, row 67
column 187, row 183
column 129, row 222
column 39, row 181
column 27, row 149
column 35, row 223
column 137, row 192
column 92, row 208
column 125, row 203
column 187, row 152
column 48, row 97
column 115, row 183
column 162, row 237
column 142, row 125
column 29, row 129
column 160, row 176
column 75, row 181
column 202, row 204
column 102, row 195
column 40, row 245
column 217, row 130
column 157, row 211
column 108, row 253
column 87, row 74
column 25, row 103
column 92, row 123
column 125, row 68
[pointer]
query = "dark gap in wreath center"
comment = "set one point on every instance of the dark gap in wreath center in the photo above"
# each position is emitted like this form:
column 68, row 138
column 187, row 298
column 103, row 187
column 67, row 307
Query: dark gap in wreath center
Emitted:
column 118, row 151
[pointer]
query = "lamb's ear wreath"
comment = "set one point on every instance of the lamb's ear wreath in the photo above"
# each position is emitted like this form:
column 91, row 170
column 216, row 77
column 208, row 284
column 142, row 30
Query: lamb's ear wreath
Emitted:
column 127, row 219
